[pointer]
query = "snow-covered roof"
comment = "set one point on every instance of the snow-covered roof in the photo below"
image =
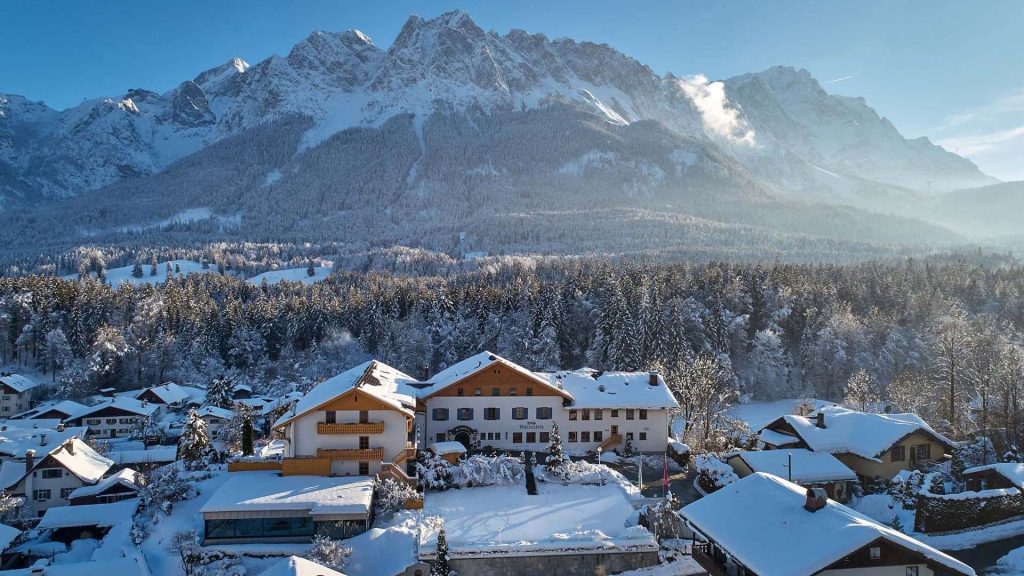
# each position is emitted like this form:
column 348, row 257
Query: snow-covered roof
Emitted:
column 125, row 477
column 120, row 566
column 103, row 515
column 808, row 467
column 19, row 437
column 65, row 407
column 156, row 454
column 168, row 393
column 125, row 403
column 215, row 412
column 82, row 461
column 18, row 382
column 595, row 389
column 466, row 368
column 450, row 447
column 761, row 521
column 1011, row 471
column 295, row 566
column 7, row 535
column 861, row 433
column 773, row 438
column 262, row 491
column 381, row 381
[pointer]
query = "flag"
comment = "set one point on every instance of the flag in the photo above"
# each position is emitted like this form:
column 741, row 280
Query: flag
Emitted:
column 664, row 480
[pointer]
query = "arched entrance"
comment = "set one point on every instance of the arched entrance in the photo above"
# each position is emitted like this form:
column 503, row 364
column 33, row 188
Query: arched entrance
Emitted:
column 463, row 438
column 463, row 435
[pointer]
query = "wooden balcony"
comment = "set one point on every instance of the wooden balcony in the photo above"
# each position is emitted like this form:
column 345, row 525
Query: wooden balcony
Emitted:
column 407, row 453
column 351, row 455
column 707, row 562
column 350, row 428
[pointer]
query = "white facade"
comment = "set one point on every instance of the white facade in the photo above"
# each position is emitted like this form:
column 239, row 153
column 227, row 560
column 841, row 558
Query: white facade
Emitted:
column 45, row 488
column 12, row 402
column 304, row 440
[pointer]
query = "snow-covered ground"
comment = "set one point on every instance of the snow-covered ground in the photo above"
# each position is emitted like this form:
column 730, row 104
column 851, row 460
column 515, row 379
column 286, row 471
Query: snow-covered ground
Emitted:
column 117, row 276
column 1012, row 564
column 291, row 275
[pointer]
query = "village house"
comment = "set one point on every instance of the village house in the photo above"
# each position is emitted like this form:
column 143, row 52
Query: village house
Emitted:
column 360, row 422
column 172, row 395
column 268, row 507
column 113, row 417
column 764, row 525
column 994, row 476
column 16, row 394
column 89, row 521
column 486, row 400
column 215, row 418
column 19, row 436
column 800, row 466
column 51, row 410
column 124, row 485
column 47, row 475
column 872, row 445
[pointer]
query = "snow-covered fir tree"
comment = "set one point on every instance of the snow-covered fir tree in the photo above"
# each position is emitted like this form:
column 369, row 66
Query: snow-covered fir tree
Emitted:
column 555, row 457
column 440, row 567
column 194, row 444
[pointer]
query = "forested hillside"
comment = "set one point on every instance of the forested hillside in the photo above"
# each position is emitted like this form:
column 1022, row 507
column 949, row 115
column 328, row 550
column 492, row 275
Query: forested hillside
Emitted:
column 934, row 337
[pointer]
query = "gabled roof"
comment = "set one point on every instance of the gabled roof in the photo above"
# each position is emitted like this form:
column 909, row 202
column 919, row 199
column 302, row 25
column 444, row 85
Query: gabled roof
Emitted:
column 295, row 566
column 103, row 515
column 171, row 393
column 1010, row 470
column 18, row 382
column 808, row 467
column 7, row 535
column 65, row 407
column 119, row 402
column 761, row 521
column 477, row 363
column 81, row 460
column 21, row 435
column 125, row 477
column 215, row 412
column 860, row 433
column 594, row 389
column 387, row 384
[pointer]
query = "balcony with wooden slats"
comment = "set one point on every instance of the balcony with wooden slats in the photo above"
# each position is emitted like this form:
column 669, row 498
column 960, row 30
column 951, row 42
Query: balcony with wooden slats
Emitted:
column 352, row 455
column 363, row 428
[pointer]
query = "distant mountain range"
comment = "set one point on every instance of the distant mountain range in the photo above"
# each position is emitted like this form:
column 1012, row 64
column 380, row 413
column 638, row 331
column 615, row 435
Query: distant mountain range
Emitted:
column 527, row 143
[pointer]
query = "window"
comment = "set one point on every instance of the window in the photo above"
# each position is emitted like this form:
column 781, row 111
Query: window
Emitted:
column 364, row 468
column 897, row 453
column 643, row 435
column 629, row 413
column 875, row 552
column 126, row 420
column 268, row 527
column 513, row 391
column 584, row 436
column 461, row 392
column 494, row 413
column 529, row 391
column 40, row 495
column 330, row 417
column 585, row 414
column 629, row 435
column 520, row 413
column 111, row 420
column 364, row 416
column 544, row 413
column 53, row 473
column 476, row 392
column 517, row 437
column 364, row 442
column 598, row 414
column 531, row 437
column 572, row 414
column 440, row 414
column 65, row 492
column 495, row 391
column 913, row 571
column 440, row 437
column 93, row 421
column 572, row 436
column 465, row 414
column 545, row 437
column 923, row 451
column 643, row 414
column 598, row 436
column 615, row 413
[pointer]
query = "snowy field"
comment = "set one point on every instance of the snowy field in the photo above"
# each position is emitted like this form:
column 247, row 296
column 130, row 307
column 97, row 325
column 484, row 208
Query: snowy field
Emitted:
column 123, row 274
column 506, row 517
column 291, row 275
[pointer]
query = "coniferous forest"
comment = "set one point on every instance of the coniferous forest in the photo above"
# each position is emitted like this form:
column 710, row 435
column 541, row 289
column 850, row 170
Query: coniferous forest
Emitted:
column 939, row 337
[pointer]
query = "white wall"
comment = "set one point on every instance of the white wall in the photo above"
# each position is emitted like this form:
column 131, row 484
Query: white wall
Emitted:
column 35, row 481
column 655, row 428
column 304, row 439
column 102, row 427
column 11, row 404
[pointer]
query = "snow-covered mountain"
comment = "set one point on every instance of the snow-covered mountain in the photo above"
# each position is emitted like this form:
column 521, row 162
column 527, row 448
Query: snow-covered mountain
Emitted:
column 453, row 127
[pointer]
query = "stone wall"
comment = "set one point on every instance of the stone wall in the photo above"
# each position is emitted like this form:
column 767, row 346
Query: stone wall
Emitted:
column 582, row 564
column 955, row 512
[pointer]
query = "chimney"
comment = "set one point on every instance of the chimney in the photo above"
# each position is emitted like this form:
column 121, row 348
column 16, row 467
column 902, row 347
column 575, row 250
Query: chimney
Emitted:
column 60, row 427
column 30, row 460
column 426, row 372
column 42, row 439
column 652, row 378
column 816, row 499
column 70, row 447
column 820, row 423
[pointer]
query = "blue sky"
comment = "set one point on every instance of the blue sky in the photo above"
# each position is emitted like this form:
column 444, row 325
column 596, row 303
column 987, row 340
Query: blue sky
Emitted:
column 953, row 71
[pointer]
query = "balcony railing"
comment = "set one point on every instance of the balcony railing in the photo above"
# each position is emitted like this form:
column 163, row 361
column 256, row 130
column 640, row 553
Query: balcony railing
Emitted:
column 701, row 553
column 350, row 428
column 354, row 454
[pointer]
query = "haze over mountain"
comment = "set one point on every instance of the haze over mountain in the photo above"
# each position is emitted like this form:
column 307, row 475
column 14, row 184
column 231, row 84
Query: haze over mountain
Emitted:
column 525, row 142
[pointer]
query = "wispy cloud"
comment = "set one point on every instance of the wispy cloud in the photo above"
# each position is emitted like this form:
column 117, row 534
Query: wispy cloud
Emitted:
column 973, row 144
column 843, row 79
column 1011, row 105
column 719, row 115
